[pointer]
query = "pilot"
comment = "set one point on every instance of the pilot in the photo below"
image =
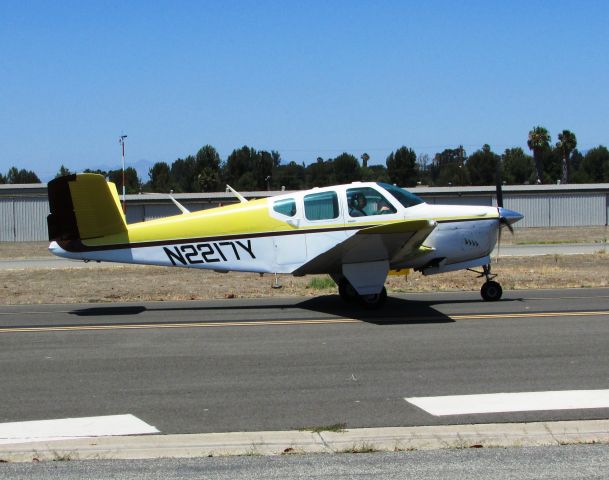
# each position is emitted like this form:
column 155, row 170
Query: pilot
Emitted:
column 358, row 203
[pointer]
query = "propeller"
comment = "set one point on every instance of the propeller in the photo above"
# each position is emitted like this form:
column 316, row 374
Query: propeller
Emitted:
column 503, row 219
column 506, row 217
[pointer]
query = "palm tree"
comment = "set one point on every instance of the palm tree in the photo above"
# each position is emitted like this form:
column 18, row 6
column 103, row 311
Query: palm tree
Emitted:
column 566, row 144
column 539, row 140
column 365, row 157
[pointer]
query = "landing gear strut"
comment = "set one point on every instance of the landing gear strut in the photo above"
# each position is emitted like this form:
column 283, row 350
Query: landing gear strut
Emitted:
column 350, row 295
column 491, row 291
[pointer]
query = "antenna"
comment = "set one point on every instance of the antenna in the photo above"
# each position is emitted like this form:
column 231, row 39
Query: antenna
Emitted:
column 121, row 140
column 241, row 198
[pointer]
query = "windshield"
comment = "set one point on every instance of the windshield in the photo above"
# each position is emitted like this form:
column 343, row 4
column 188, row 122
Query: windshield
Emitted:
column 403, row 196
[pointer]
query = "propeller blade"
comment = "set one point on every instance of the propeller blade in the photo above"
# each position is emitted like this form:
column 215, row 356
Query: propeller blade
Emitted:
column 504, row 222
column 499, row 195
column 498, row 183
column 499, row 243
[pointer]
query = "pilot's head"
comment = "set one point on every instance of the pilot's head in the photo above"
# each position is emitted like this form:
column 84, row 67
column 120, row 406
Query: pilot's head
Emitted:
column 359, row 201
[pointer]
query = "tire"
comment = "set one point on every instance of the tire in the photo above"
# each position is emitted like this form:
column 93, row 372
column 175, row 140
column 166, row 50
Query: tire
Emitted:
column 491, row 291
column 346, row 291
column 373, row 302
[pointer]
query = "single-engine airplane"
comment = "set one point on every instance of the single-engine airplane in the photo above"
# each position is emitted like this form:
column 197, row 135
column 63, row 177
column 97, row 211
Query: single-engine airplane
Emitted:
column 357, row 233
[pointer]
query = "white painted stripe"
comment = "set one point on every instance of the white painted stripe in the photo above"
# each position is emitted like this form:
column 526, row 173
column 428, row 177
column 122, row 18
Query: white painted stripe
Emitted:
column 72, row 428
column 512, row 402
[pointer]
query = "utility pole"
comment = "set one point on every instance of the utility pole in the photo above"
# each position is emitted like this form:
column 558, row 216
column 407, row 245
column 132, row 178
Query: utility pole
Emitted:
column 121, row 140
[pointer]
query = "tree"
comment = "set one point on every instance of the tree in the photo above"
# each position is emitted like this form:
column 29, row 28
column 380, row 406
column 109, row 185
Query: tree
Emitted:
column 375, row 173
column 448, row 167
column 424, row 167
column 265, row 163
column 183, row 174
column 482, row 166
column 15, row 176
column 518, row 167
column 160, row 177
column 319, row 173
column 207, row 170
column 2, row 179
column 365, row 157
column 551, row 161
column 596, row 164
column 346, row 168
column 538, row 142
column 290, row 176
column 576, row 175
column 132, row 181
column 239, row 162
column 63, row 171
column 566, row 144
column 249, row 169
column 103, row 173
column 402, row 167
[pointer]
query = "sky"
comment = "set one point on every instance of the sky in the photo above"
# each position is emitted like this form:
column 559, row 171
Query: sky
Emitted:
column 307, row 78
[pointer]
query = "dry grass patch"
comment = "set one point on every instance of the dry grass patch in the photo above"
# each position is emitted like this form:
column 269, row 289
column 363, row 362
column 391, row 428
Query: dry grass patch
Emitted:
column 525, row 236
column 101, row 283
column 20, row 250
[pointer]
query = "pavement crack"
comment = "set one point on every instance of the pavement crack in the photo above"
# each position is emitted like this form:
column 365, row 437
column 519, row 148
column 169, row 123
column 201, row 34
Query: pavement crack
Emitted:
column 549, row 430
column 323, row 441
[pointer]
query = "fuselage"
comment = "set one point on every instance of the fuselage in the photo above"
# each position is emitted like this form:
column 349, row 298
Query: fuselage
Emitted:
column 280, row 234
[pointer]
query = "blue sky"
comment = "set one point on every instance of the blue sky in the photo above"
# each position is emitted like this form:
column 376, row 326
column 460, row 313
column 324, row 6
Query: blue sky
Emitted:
column 306, row 78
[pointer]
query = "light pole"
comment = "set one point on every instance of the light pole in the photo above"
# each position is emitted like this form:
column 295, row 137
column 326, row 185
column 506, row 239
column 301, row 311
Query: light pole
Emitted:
column 121, row 140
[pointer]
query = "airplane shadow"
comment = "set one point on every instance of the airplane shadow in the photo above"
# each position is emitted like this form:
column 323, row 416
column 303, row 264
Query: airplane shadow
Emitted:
column 109, row 310
column 397, row 311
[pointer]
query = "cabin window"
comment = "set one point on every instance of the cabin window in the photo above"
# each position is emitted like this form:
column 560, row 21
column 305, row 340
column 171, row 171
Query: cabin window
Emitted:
column 364, row 201
column 321, row 206
column 285, row 206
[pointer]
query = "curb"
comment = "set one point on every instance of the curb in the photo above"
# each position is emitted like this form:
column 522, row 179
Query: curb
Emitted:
column 357, row 440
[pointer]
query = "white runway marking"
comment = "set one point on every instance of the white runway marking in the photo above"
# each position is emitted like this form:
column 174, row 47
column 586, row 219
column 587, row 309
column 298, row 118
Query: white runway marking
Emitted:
column 71, row 428
column 512, row 402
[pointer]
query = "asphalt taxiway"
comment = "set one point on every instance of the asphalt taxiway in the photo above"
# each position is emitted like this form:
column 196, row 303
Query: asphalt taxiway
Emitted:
column 282, row 364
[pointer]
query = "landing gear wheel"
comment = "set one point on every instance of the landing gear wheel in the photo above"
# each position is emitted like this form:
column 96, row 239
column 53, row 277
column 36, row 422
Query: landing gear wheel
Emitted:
column 346, row 291
column 373, row 302
column 491, row 291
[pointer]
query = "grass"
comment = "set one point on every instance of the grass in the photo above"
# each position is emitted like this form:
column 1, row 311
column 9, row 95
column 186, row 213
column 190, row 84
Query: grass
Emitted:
column 558, row 235
column 544, row 242
column 136, row 283
column 62, row 456
column 321, row 283
column 364, row 447
column 335, row 427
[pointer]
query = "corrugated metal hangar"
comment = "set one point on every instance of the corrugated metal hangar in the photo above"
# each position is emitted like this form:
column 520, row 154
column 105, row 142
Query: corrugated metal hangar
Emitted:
column 24, row 208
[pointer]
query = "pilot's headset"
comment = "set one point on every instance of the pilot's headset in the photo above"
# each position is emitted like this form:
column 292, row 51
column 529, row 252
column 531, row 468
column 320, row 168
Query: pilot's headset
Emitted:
column 359, row 201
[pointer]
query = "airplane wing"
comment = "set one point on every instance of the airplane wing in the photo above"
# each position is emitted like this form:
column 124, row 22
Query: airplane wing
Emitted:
column 392, row 243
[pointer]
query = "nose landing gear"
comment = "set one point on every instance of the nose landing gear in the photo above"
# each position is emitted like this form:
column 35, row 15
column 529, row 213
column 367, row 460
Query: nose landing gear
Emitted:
column 491, row 291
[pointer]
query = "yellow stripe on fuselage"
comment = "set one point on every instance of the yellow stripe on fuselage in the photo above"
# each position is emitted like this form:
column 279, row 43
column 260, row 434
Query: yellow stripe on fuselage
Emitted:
column 237, row 219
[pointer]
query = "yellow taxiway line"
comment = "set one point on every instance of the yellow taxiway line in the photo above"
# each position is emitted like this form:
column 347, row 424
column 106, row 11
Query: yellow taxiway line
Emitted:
column 259, row 323
column 144, row 326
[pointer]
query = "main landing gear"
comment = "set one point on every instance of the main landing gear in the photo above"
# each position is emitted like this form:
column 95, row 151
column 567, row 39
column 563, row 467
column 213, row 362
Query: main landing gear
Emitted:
column 491, row 291
column 350, row 295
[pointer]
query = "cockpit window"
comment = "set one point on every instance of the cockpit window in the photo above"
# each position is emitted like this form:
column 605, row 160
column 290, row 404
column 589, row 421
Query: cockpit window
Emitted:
column 403, row 196
column 364, row 201
column 285, row 206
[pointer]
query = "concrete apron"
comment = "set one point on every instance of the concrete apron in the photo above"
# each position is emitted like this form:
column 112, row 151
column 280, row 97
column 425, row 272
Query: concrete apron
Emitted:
column 298, row 442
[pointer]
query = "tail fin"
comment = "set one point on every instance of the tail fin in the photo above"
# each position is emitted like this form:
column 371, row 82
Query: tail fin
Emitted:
column 83, row 206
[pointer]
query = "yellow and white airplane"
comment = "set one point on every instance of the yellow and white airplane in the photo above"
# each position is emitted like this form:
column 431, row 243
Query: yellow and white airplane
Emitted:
column 357, row 233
